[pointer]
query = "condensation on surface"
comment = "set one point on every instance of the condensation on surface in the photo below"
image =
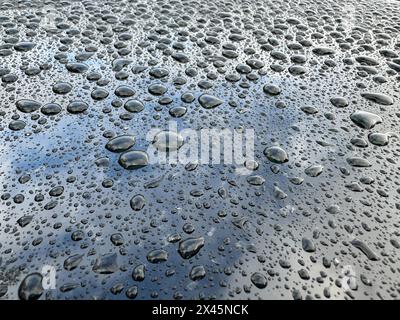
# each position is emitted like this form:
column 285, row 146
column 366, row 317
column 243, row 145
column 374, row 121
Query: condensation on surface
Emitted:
column 82, row 83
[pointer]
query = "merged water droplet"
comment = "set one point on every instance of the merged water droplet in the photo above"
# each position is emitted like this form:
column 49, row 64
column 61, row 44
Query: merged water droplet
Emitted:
column 27, row 106
column 259, row 280
column 31, row 287
column 167, row 141
column 120, row 143
column 76, row 67
column 208, row 101
column 190, row 247
column 133, row 105
column 133, row 159
column 358, row 162
column 157, row 256
column 106, row 264
column 378, row 98
column 276, row 154
column 137, row 202
column 364, row 119
column 77, row 106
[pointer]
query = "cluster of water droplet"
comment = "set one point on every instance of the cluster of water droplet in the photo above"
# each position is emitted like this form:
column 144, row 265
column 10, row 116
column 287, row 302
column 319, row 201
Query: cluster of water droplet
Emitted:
column 83, row 82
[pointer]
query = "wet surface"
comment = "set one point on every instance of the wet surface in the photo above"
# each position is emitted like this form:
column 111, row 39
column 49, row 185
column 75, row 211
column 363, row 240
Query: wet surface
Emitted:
column 82, row 83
